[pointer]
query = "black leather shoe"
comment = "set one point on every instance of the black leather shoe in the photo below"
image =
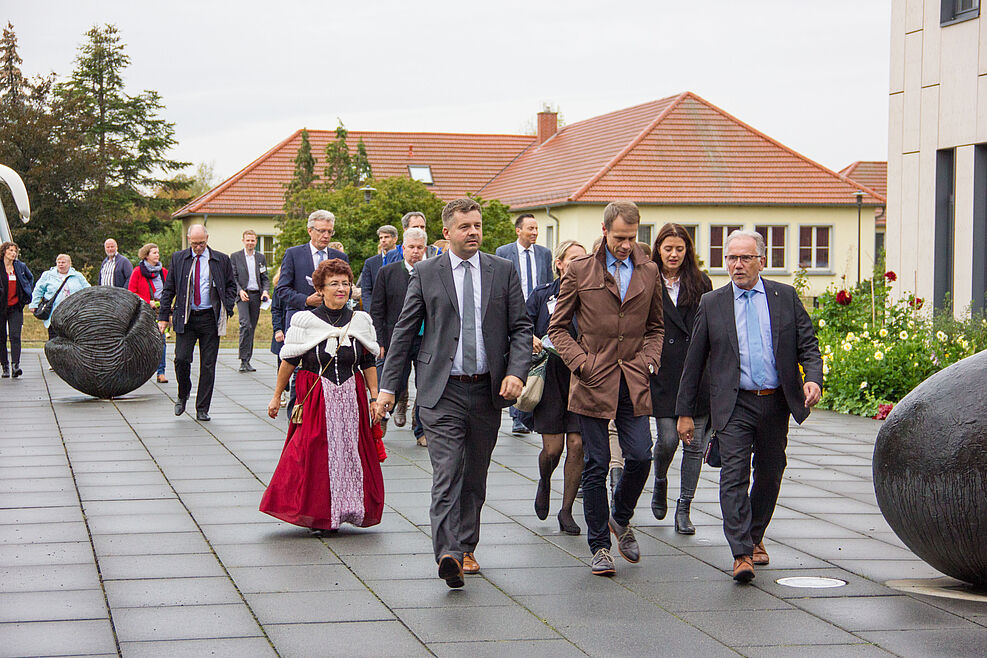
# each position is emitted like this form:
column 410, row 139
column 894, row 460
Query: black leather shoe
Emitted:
column 542, row 498
column 202, row 415
column 17, row 370
column 683, row 525
column 659, row 499
column 249, row 367
column 4, row 372
column 451, row 571
column 243, row 366
column 567, row 524
column 180, row 406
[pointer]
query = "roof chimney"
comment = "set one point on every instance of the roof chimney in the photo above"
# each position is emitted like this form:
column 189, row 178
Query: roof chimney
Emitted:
column 548, row 123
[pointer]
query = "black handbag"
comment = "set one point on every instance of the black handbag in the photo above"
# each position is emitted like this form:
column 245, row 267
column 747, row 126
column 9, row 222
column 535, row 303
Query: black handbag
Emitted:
column 712, row 456
column 47, row 305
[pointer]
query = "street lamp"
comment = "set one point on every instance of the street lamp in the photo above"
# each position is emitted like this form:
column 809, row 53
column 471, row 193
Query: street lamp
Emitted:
column 860, row 200
column 368, row 193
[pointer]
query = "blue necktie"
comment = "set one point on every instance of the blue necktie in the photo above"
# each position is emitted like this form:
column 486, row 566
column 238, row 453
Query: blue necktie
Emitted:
column 527, row 264
column 322, row 256
column 754, row 346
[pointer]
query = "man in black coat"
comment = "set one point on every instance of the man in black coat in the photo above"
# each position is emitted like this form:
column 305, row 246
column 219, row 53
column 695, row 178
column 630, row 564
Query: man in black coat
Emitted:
column 754, row 334
column 252, row 283
column 390, row 290
column 201, row 287
column 387, row 237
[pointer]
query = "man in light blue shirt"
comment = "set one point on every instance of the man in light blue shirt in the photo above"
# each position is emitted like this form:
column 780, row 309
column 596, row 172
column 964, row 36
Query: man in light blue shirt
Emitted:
column 741, row 299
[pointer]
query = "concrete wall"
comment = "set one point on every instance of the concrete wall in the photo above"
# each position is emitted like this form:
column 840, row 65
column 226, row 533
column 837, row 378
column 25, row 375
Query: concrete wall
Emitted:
column 583, row 223
column 938, row 100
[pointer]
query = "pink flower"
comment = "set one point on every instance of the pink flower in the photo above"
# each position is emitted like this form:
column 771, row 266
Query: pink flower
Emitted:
column 882, row 411
column 916, row 302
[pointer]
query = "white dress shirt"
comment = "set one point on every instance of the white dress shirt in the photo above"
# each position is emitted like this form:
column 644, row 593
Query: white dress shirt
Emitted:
column 315, row 255
column 251, row 271
column 458, row 277
column 524, row 269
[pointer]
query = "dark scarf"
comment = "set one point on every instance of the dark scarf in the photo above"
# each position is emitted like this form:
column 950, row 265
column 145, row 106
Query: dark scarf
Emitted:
column 153, row 276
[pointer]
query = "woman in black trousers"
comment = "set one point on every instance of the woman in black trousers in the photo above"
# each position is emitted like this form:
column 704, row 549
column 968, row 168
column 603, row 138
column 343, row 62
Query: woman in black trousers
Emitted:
column 552, row 419
column 16, row 286
column 684, row 285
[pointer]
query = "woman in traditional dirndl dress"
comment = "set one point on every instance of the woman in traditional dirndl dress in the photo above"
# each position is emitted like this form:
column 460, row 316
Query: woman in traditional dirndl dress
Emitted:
column 329, row 472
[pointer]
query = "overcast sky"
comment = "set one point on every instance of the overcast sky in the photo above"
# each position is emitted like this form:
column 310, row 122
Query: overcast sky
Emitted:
column 239, row 77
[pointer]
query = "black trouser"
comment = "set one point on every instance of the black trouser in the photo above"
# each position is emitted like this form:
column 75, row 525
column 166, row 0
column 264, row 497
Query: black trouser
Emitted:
column 416, row 423
column 634, row 433
column 462, row 432
column 758, row 425
column 248, row 312
column 11, row 327
column 199, row 326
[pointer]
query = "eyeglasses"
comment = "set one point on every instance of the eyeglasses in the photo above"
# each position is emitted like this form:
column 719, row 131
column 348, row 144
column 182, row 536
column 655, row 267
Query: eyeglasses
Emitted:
column 197, row 244
column 746, row 259
column 339, row 284
column 322, row 231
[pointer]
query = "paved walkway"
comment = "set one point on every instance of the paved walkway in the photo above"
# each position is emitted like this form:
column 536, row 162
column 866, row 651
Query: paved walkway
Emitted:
column 125, row 530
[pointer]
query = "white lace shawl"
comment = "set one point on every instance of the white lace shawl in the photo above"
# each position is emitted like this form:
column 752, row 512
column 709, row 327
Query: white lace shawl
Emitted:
column 307, row 331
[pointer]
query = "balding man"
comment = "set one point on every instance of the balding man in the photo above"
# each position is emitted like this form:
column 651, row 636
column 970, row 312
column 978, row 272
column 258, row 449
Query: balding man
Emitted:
column 201, row 286
column 116, row 268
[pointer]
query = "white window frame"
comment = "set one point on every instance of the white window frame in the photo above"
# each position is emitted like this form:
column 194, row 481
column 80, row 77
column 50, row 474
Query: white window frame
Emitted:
column 812, row 269
column 768, row 245
column 421, row 173
column 268, row 254
column 727, row 230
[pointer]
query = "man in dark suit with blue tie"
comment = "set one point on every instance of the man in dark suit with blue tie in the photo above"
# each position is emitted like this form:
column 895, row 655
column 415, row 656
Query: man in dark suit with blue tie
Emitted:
column 754, row 334
column 533, row 264
column 295, row 281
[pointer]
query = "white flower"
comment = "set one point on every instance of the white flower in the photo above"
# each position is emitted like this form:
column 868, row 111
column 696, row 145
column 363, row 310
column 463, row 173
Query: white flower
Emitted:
column 903, row 335
column 851, row 336
column 866, row 334
column 878, row 355
column 911, row 324
column 883, row 333
column 825, row 368
column 915, row 365
column 822, row 323
column 847, row 347
column 865, row 325
column 863, row 385
column 942, row 337
column 828, row 349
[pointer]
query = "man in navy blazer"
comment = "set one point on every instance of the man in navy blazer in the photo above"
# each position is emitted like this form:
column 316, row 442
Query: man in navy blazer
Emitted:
column 295, row 281
column 387, row 237
column 116, row 268
column 533, row 264
column 413, row 219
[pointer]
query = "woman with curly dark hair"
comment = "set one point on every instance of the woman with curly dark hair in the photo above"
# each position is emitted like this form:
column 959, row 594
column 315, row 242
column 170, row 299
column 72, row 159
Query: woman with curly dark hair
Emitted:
column 16, row 287
column 684, row 283
column 329, row 472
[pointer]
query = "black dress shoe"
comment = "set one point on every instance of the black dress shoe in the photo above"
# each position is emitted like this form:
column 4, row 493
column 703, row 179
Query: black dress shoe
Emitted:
column 17, row 370
column 243, row 366
column 180, row 406
column 542, row 498
column 567, row 525
column 202, row 415
column 4, row 372
column 249, row 367
column 451, row 571
column 683, row 525
column 659, row 499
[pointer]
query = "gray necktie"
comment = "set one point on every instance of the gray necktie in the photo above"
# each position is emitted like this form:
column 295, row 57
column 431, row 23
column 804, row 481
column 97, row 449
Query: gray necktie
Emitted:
column 469, row 321
column 322, row 257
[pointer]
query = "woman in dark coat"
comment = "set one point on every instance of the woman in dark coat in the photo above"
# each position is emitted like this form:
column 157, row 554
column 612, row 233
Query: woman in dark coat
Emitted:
column 16, row 287
column 552, row 419
column 685, row 283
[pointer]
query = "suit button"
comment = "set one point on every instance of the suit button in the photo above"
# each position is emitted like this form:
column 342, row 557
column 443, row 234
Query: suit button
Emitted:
column 620, row 315
column 671, row 340
column 620, row 362
column 620, row 338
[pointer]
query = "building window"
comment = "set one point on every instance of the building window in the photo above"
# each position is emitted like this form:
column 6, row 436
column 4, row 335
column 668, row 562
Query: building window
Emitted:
column 814, row 244
column 943, row 249
column 421, row 173
column 691, row 230
column 957, row 11
column 550, row 237
column 265, row 244
column 717, row 242
column 645, row 233
column 774, row 242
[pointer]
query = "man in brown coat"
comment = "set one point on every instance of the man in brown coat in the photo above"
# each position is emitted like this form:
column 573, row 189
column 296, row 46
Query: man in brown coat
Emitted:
column 614, row 294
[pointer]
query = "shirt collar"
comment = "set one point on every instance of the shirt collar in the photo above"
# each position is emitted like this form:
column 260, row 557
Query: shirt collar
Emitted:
column 455, row 260
column 521, row 248
column 611, row 259
column 406, row 266
column 315, row 251
column 204, row 253
column 739, row 292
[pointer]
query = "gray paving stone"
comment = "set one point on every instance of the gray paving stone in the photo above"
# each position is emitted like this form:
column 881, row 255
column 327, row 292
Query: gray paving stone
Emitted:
column 43, row 532
column 58, row 638
column 738, row 628
column 701, row 597
column 184, row 622
column 126, row 492
column 527, row 648
column 311, row 607
column 817, row 651
column 849, row 549
column 546, row 580
column 432, row 593
column 122, row 524
column 883, row 570
column 304, row 578
column 252, row 533
column 782, row 557
column 221, row 648
column 457, row 624
column 18, row 516
column 280, row 553
column 152, row 592
column 37, row 485
column 13, row 555
column 168, row 543
column 48, row 577
column 923, row 643
column 128, row 567
column 880, row 613
column 52, row 606
column 376, row 638
column 767, row 577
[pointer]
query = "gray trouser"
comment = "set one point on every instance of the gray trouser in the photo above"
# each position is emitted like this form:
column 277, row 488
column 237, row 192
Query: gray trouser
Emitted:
column 249, row 313
column 692, row 455
column 462, row 432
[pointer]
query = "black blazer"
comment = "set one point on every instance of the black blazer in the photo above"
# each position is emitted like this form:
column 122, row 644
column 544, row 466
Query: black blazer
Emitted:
column 679, row 321
column 176, row 288
column 714, row 341
column 367, row 280
column 241, row 276
column 390, row 289
column 25, row 287
column 122, row 269
column 432, row 298
column 537, row 307
column 295, row 280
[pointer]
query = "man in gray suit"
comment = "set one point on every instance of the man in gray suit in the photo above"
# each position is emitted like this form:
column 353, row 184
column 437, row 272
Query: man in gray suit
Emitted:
column 533, row 263
column 473, row 361
column 754, row 334
column 252, row 282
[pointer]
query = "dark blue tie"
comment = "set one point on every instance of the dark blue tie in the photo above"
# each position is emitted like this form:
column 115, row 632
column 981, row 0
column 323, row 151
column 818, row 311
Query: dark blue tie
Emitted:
column 527, row 265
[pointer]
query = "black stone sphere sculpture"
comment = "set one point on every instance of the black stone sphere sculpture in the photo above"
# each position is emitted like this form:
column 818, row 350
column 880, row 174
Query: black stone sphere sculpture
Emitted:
column 930, row 470
column 105, row 341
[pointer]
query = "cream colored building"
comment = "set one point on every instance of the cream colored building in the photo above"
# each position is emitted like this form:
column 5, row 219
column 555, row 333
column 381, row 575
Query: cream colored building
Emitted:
column 937, row 151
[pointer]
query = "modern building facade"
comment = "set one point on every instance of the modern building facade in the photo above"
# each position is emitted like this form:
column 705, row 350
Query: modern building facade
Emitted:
column 937, row 152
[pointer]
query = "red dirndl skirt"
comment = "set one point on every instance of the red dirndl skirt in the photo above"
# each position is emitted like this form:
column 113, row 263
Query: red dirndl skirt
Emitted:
column 329, row 472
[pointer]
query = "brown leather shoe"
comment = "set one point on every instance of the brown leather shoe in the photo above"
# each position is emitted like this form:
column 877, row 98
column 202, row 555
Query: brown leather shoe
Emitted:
column 761, row 555
column 422, row 441
column 451, row 571
column 743, row 569
column 470, row 565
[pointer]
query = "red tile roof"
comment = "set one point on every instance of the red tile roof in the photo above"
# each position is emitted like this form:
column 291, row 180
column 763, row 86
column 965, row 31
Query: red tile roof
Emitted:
column 460, row 164
column 870, row 174
column 678, row 150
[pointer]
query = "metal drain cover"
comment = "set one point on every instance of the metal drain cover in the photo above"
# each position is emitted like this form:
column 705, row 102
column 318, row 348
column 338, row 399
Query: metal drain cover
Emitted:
column 812, row 582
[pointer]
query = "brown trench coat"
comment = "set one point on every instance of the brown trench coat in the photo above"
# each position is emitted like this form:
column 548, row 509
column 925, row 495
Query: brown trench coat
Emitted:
column 614, row 337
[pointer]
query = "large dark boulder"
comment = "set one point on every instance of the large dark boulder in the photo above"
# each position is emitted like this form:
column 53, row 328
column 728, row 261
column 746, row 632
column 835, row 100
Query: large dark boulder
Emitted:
column 105, row 341
column 930, row 470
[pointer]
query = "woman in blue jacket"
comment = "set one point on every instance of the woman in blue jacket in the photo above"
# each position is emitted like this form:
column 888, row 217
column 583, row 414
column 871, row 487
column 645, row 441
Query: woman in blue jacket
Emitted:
column 52, row 279
column 16, row 286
